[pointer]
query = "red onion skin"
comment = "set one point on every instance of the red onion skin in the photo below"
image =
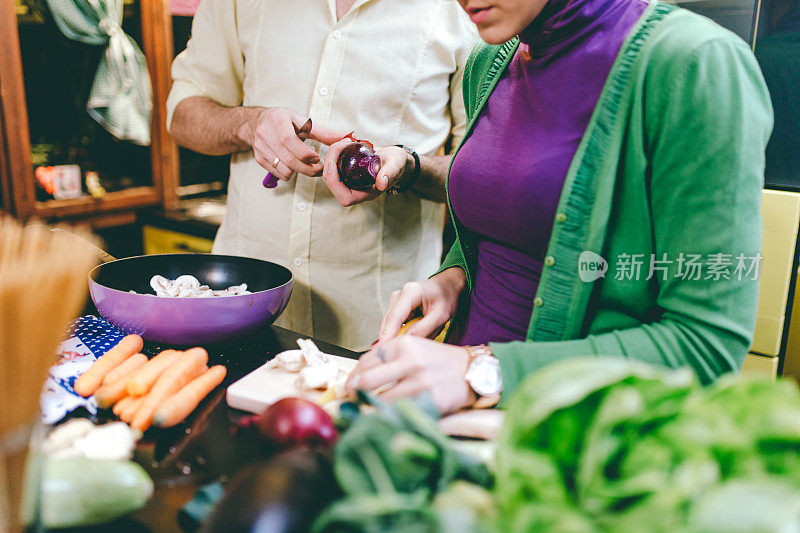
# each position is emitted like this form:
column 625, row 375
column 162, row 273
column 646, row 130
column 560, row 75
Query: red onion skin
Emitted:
column 246, row 423
column 358, row 166
column 294, row 421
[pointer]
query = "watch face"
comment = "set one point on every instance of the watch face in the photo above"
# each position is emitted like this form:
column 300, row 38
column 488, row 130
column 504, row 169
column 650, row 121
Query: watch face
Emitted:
column 484, row 376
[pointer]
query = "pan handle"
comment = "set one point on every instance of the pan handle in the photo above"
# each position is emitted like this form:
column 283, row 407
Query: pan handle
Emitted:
column 104, row 256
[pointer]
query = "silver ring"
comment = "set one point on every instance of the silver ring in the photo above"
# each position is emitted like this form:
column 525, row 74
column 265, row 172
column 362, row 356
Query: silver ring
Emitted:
column 275, row 163
column 381, row 354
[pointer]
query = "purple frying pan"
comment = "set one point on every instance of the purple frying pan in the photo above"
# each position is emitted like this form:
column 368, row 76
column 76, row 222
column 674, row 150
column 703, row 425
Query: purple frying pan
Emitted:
column 190, row 320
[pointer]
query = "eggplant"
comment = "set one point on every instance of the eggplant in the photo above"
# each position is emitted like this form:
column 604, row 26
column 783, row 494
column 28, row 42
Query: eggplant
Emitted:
column 282, row 495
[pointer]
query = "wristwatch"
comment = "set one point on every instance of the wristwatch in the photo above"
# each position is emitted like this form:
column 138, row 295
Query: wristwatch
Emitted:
column 411, row 180
column 483, row 376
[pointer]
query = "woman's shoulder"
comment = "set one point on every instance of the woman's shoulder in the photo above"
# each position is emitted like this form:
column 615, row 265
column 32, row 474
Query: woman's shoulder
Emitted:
column 485, row 57
column 671, row 34
column 682, row 37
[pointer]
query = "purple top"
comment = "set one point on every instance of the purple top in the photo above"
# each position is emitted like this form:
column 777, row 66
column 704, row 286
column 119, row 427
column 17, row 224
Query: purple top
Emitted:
column 506, row 180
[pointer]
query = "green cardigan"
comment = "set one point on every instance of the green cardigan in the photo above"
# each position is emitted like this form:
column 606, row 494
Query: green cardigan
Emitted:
column 671, row 163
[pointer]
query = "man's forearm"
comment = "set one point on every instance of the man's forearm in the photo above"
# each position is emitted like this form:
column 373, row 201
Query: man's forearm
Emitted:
column 203, row 125
column 432, row 178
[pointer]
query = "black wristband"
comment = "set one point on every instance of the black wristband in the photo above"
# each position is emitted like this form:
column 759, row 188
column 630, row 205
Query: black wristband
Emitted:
column 408, row 183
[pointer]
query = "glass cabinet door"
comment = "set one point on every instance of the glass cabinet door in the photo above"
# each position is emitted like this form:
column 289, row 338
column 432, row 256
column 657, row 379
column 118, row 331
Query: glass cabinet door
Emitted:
column 82, row 107
column 739, row 16
column 198, row 172
column 59, row 74
column 772, row 28
column 777, row 49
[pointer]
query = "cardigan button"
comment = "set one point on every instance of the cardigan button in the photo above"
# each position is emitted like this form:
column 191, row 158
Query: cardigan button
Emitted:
column 561, row 218
column 538, row 302
column 549, row 261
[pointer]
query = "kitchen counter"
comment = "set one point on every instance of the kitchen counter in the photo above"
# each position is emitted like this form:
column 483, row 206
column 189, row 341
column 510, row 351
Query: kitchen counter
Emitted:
column 203, row 449
column 199, row 217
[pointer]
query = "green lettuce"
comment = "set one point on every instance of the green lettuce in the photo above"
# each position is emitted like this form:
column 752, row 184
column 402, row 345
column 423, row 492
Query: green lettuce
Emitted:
column 611, row 444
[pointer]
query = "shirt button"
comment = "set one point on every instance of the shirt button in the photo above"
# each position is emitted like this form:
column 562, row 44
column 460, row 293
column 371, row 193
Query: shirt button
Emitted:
column 538, row 302
column 549, row 261
column 301, row 206
column 561, row 218
column 323, row 91
column 298, row 262
column 337, row 34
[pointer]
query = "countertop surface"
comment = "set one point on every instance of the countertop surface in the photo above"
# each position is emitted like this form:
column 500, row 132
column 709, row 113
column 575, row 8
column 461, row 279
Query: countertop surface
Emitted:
column 196, row 216
column 203, row 449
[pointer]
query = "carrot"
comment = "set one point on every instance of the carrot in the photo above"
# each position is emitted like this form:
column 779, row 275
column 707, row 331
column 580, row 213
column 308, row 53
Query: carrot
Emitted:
column 121, row 405
column 127, row 366
column 91, row 380
column 183, row 402
column 110, row 394
column 191, row 364
column 129, row 411
column 143, row 378
column 407, row 325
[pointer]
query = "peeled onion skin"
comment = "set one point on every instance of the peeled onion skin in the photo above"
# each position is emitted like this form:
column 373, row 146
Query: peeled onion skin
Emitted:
column 358, row 166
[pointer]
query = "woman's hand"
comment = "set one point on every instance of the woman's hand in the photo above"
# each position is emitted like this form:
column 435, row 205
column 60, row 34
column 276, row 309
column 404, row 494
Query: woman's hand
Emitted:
column 394, row 163
column 436, row 297
column 406, row 366
column 271, row 132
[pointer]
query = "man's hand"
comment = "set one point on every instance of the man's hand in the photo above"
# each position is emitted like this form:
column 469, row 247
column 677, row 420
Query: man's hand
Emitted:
column 394, row 163
column 271, row 132
column 205, row 126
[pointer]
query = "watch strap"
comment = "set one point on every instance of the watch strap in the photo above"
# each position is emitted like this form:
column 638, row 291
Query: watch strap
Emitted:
column 481, row 402
column 405, row 184
column 475, row 351
column 485, row 402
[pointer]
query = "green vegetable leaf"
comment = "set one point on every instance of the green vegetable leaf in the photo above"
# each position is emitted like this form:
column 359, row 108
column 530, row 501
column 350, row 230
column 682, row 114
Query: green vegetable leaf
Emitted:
column 378, row 513
column 743, row 506
column 613, row 445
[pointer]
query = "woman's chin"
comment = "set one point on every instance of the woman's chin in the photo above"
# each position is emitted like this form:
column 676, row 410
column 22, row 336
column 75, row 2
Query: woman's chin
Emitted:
column 494, row 35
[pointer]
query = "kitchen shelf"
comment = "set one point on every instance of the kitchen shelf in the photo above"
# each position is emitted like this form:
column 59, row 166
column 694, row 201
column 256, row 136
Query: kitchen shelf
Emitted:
column 126, row 199
column 17, row 181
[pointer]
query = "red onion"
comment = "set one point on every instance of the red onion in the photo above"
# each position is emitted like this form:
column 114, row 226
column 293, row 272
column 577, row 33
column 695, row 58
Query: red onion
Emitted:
column 358, row 166
column 293, row 421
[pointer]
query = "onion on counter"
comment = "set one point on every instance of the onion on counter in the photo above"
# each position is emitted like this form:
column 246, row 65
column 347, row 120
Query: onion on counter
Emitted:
column 292, row 422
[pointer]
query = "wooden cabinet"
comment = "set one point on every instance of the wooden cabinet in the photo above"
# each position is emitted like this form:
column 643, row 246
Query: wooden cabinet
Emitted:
column 164, row 241
column 18, row 188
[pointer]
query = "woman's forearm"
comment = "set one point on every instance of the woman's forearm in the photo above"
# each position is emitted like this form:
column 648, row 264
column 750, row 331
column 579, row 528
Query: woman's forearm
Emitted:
column 675, row 341
column 203, row 125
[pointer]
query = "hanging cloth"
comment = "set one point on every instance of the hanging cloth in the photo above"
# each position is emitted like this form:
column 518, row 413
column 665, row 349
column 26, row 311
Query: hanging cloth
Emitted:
column 121, row 96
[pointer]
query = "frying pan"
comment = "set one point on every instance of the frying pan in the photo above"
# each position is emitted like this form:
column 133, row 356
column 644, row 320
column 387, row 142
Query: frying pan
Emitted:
column 190, row 320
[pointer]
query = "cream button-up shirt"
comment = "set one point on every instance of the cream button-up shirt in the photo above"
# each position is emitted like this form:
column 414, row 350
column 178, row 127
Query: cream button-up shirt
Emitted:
column 389, row 69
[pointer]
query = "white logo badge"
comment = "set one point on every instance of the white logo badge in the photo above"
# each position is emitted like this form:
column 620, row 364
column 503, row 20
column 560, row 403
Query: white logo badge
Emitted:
column 591, row 266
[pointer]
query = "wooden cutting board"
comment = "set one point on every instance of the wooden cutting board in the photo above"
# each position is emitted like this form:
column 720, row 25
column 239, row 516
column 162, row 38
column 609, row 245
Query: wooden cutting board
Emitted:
column 473, row 423
column 265, row 386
